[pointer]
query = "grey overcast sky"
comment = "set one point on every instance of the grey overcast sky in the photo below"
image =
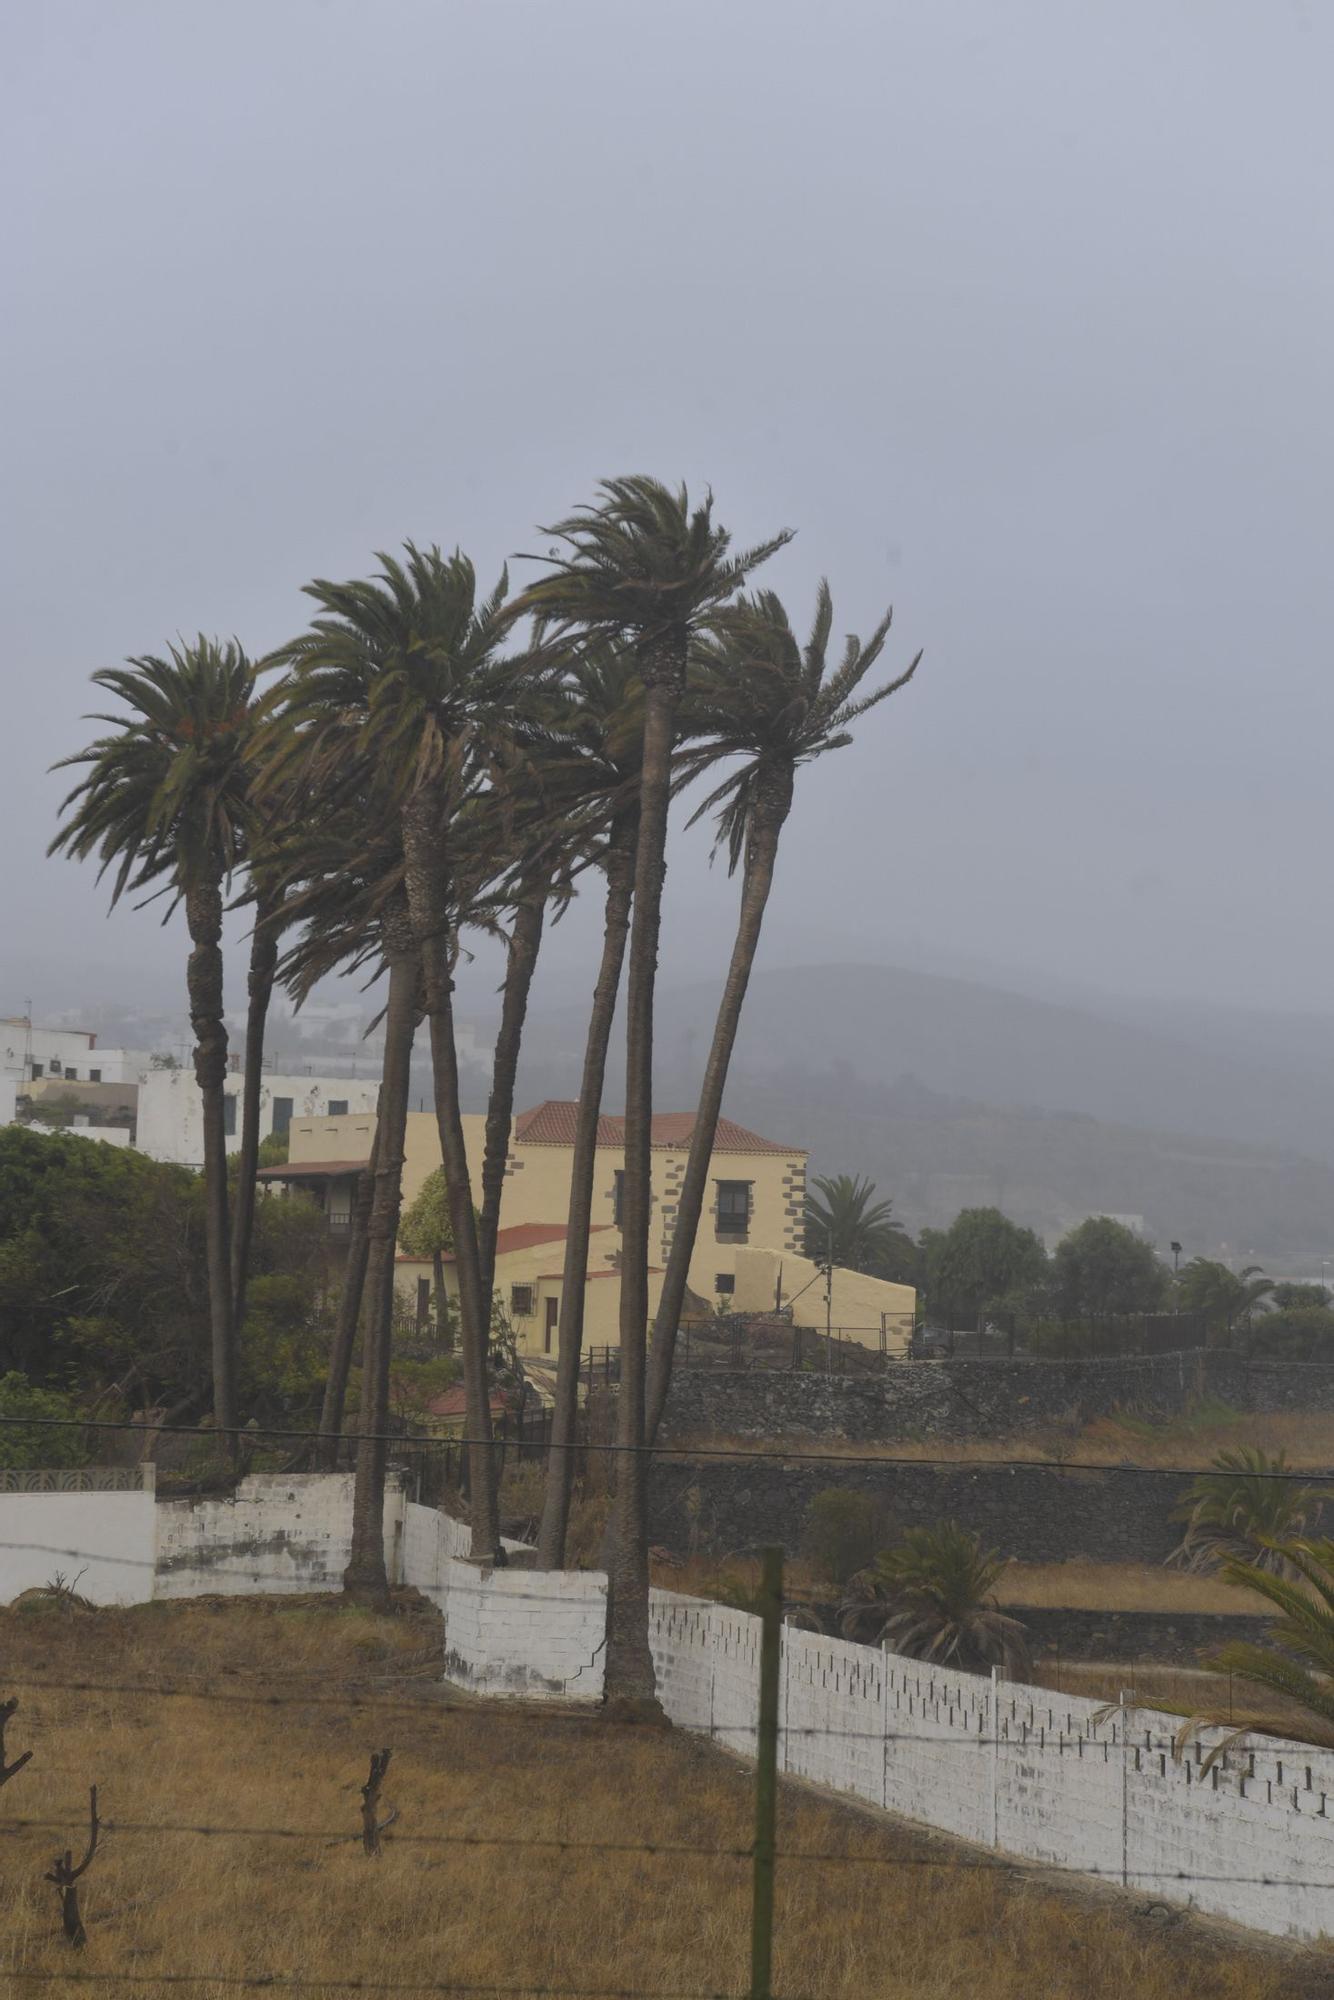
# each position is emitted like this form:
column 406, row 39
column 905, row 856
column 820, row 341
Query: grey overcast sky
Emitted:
column 1021, row 315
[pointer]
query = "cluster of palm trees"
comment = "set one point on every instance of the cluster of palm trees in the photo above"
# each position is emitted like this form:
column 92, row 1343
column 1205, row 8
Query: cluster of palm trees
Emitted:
column 424, row 759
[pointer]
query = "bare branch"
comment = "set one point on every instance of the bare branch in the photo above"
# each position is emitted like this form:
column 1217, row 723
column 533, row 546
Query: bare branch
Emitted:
column 8, row 1771
column 65, row 1876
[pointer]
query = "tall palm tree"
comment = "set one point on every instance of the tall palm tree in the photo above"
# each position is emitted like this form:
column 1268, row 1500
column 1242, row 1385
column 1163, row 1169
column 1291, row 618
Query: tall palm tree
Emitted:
column 341, row 873
column 640, row 566
column 412, row 657
column 776, row 705
column 266, row 894
column 165, row 800
column 604, row 729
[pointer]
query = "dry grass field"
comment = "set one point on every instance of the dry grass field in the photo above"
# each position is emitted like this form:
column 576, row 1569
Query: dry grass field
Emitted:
column 522, row 1859
column 1189, row 1443
column 1087, row 1586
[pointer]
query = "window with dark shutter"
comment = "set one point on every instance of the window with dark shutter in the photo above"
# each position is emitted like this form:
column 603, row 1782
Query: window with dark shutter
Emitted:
column 733, row 1211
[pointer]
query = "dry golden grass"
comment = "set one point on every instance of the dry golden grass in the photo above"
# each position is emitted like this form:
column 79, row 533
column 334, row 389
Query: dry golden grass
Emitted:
column 510, row 1915
column 1308, row 1440
column 1076, row 1585
column 1093, row 1586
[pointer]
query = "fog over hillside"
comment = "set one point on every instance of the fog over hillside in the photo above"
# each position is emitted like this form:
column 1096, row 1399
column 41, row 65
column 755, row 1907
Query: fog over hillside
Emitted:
column 1214, row 1123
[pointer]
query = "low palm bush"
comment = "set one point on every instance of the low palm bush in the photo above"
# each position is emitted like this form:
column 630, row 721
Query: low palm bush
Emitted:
column 1246, row 1511
column 1297, row 1661
column 931, row 1598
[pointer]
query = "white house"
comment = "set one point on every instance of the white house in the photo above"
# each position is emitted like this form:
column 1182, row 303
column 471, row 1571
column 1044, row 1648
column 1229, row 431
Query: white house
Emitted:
column 30, row 1053
column 171, row 1110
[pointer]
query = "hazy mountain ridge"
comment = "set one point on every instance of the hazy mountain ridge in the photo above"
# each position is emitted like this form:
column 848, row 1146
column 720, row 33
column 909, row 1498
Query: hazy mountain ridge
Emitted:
column 948, row 1093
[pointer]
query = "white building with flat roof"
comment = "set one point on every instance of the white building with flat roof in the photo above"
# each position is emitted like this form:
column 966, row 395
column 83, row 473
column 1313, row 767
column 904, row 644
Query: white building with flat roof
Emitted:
column 171, row 1109
column 30, row 1053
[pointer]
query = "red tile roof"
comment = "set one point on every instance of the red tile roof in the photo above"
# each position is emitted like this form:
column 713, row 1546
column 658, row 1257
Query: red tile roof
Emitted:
column 521, row 1236
column 552, row 1124
column 454, row 1403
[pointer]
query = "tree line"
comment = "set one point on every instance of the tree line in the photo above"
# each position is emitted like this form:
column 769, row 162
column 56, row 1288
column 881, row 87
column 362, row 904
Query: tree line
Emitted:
column 986, row 1270
column 426, row 759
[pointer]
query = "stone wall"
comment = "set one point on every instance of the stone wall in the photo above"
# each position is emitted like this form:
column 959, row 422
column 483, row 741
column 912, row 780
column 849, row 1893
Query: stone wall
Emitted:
column 914, row 1400
column 1037, row 1513
column 1164, row 1638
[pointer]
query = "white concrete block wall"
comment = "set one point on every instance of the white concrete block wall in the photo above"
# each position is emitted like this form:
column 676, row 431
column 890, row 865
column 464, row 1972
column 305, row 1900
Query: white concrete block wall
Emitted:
column 523, row 1632
column 1048, row 1778
column 102, row 1543
column 282, row 1532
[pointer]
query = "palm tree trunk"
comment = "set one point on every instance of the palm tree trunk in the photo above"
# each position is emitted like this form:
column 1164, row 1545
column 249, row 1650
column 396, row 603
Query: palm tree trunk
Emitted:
column 263, row 961
column 425, row 854
column 629, row 1677
column 349, row 1310
column 365, row 1575
column 441, row 1304
column 620, row 865
column 771, row 811
column 203, row 912
column 525, row 942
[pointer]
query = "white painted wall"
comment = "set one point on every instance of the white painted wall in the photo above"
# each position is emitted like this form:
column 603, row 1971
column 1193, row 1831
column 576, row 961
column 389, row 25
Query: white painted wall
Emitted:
column 171, row 1110
column 281, row 1532
column 107, row 1541
column 1046, row 1777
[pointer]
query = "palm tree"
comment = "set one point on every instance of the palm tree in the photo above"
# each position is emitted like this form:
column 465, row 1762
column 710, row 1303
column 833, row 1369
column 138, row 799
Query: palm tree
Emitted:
column 1298, row 1660
column 847, row 1227
column 1245, row 1511
column 773, row 703
column 410, row 658
column 266, row 893
column 641, row 566
column 931, row 1599
column 1219, row 1295
column 604, row 728
column 340, row 868
column 166, row 801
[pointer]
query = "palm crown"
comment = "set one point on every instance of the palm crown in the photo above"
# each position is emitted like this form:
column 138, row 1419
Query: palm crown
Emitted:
column 167, row 795
column 757, row 693
column 641, row 562
column 392, row 672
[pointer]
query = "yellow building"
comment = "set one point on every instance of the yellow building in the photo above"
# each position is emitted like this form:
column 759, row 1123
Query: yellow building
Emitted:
column 747, row 1250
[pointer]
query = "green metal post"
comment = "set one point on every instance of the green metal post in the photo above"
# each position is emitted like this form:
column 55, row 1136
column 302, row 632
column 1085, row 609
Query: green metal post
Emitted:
column 766, row 1776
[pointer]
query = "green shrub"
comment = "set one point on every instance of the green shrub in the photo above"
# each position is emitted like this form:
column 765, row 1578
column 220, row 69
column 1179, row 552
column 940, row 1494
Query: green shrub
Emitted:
column 844, row 1532
column 22, row 1448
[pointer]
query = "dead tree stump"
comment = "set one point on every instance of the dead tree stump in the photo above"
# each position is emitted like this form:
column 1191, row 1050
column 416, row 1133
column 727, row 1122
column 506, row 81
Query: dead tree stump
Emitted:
column 372, row 1826
column 65, row 1876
